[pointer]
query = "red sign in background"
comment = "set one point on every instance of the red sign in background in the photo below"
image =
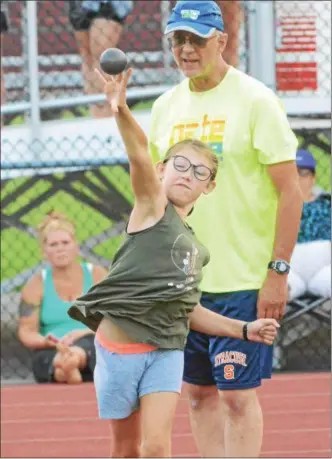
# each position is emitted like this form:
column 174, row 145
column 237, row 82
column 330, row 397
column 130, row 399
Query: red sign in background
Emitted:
column 298, row 36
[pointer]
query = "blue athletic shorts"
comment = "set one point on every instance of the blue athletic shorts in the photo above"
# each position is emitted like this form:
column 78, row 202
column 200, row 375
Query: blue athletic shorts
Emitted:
column 122, row 379
column 227, row 363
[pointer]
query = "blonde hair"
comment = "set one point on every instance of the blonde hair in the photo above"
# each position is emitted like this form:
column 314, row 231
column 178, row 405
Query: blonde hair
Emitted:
column 198, row 146
column 52, row 222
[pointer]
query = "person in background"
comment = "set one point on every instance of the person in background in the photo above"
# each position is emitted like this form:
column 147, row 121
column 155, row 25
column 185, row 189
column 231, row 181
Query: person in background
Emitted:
column 97, row 25
column 233, row 17
column 4, row 29
column 311, row 259
column 249, row 224
column 63, row 350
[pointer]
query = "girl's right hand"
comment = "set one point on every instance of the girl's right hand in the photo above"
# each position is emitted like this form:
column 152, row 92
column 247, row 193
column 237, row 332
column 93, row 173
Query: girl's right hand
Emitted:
column 115, row 88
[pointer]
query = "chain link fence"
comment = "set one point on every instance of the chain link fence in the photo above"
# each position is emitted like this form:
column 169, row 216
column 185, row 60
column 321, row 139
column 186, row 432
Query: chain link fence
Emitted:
column 70, row 41
column 303, row 48
column 79, row 167
column 69, row 44
column 98, row 199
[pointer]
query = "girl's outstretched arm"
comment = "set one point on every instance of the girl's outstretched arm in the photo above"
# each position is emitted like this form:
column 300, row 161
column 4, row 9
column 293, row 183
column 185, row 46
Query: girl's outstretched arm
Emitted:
column 146, row 185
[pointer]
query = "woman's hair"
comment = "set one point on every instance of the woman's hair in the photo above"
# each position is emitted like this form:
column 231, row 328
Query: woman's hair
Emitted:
column 198, row 146
column 52, row 222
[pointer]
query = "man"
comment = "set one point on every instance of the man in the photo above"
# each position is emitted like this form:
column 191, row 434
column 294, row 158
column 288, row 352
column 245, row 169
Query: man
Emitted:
column 249, row 224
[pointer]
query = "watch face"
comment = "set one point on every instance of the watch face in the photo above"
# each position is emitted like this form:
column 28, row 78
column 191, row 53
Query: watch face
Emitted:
column 282, row 267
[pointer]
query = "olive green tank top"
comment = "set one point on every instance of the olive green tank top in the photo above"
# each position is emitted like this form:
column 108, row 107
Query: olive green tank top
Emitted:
column 152, row 285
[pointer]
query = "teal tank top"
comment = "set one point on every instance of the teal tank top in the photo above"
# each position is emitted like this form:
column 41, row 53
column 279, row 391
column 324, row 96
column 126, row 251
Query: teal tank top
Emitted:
column 54, row 316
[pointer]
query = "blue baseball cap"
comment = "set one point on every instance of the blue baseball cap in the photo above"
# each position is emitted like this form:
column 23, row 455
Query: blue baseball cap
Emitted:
column 305, row 160
column 199, row 18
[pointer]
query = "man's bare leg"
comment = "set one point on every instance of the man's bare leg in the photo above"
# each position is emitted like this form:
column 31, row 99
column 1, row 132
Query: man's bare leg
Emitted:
column 243, row 423
column 207, row 420
column 103, row 34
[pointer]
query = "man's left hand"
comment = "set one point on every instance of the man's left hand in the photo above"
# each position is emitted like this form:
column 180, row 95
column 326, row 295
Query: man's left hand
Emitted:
column 272, row 297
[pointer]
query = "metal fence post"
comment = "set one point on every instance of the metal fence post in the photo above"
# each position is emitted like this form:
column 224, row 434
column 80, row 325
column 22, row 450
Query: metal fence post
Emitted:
column 25, row 62
column 261, row 33
column 32, row 38
column 165, row 11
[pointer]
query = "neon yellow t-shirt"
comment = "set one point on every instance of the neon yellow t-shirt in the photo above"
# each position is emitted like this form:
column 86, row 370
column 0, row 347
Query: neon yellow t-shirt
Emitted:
column 246, row 125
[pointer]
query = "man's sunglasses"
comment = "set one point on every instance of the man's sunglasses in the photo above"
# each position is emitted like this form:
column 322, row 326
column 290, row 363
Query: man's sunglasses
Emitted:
column 179, row 40
column 305, row 172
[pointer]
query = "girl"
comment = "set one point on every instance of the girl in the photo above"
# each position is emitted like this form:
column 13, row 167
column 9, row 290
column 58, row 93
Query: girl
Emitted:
column 143, row 309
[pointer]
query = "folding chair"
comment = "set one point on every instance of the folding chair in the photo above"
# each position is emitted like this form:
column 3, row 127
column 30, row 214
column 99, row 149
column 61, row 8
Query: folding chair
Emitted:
column 307, row 304
column 304, row 316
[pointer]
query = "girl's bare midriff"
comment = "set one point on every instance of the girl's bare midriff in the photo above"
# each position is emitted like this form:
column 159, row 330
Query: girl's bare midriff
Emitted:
column 113, row 333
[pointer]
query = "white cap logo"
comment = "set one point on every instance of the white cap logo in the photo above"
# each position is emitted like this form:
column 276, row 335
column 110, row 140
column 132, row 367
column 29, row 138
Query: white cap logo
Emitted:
column 190, row 14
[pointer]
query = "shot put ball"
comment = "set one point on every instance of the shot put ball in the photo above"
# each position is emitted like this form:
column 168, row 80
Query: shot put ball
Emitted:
column 113, row 61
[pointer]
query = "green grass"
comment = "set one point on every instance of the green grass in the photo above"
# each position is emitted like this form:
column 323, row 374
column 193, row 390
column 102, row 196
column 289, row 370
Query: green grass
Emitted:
column 145, row 105
column 24, row 250
column 83, row 112
column 20, row 251
column 17, row 121
column 323, row 171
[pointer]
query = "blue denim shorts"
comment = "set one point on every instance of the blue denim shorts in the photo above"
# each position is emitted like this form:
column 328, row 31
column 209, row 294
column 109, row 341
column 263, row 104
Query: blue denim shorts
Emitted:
column 122, row 379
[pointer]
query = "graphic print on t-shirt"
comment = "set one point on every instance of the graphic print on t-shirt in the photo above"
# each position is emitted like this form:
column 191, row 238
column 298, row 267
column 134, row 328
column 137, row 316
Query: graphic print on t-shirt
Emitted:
column 185, row 257
column 208, row 129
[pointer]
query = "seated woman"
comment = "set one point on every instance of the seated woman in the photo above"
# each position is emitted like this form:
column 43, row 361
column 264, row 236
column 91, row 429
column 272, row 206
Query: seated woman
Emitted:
column 63, row 349
column 311, row 260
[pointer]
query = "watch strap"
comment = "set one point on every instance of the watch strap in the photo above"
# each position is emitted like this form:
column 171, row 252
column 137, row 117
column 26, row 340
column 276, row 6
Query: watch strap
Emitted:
column 245, row 332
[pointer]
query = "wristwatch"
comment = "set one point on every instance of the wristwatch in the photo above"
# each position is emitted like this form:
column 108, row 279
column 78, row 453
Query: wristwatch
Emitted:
column 279, row 266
